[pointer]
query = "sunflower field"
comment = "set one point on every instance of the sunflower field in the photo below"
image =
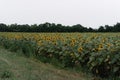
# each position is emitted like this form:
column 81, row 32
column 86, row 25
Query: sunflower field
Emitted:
column 98, row 53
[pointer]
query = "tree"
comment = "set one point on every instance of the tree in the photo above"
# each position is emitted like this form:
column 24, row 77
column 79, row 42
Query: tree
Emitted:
column 101, row 29
column 3, row 27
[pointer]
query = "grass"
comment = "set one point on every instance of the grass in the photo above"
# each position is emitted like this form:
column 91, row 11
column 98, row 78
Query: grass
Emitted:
column 18, row 67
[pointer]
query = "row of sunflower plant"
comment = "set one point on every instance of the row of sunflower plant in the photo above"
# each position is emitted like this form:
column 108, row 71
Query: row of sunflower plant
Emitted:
column 98, row 53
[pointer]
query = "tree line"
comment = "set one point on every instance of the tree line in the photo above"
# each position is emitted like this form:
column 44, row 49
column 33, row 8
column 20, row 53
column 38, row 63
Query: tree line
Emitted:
column 52, row 27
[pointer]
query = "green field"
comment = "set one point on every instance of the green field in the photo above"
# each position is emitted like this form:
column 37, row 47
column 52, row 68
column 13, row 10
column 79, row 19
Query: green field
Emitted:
column 16, row 67
column 94, row 53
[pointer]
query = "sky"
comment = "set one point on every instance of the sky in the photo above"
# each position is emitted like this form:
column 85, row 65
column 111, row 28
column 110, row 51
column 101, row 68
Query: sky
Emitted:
column 89, row 13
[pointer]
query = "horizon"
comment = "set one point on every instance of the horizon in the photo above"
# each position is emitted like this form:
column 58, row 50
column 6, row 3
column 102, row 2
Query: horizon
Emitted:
column 61, row 24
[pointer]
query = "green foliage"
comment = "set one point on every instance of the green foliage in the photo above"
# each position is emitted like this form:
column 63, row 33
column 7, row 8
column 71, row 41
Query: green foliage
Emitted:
column 26, row 47
column 52, row 27
column 97, row 53
column 6, row 74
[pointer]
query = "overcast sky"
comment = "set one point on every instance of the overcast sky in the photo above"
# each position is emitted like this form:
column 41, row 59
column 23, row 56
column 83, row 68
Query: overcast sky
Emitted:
column 89, row 13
